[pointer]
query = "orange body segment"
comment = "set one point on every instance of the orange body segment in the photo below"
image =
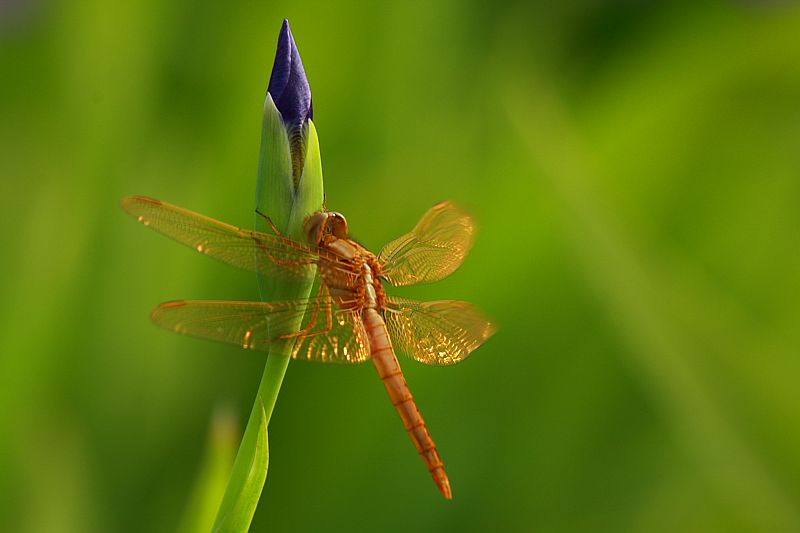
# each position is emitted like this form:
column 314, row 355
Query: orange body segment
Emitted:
column 392, row 376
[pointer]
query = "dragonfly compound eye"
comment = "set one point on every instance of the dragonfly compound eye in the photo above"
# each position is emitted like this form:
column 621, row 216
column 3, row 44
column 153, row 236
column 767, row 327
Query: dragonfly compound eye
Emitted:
column 338, row 225
column 316, row 227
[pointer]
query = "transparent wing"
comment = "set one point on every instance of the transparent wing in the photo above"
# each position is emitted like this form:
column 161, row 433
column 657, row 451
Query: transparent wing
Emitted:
column 344, row 340
column 436, row 333
column 268, row 253
column 329, row 332
column 433, row 250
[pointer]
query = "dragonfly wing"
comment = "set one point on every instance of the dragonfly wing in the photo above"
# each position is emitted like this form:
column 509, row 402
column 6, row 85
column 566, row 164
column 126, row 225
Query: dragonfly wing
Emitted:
column 443, row 332
column 328, row 332
column 268, row 253
column 340, row 338
column 433, row 250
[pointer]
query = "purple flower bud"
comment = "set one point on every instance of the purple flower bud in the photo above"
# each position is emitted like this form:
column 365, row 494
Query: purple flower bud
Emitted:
column 288, row 84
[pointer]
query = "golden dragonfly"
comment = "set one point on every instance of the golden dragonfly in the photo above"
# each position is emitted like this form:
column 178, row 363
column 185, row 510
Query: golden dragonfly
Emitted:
column 349, row 318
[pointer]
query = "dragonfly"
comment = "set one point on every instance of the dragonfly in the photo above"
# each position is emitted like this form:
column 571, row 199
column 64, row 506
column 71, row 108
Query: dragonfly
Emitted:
column 349, row 318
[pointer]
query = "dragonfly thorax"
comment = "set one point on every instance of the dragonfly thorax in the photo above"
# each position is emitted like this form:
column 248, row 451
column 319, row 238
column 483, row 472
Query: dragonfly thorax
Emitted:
column 320, row 225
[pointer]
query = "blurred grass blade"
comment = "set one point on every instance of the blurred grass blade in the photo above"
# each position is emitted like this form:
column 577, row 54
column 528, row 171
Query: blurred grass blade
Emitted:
column 214, row 471
column 249, row 473
column 658, row 352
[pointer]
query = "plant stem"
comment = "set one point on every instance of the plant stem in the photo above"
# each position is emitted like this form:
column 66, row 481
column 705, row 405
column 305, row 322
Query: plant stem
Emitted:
column 288, row 206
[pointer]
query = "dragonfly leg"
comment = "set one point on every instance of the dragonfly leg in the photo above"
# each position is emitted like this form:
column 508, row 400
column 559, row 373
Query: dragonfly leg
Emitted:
column 270, row 222
column 308, row 331
column 278, row 262
column 286, row 264
column 289, row 264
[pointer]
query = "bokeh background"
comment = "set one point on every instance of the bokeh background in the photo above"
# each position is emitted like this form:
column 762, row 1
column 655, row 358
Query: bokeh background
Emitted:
column 635, row 171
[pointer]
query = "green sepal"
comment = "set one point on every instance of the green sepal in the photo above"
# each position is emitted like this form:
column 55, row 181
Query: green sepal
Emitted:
column 274, row 184
column 309, row 195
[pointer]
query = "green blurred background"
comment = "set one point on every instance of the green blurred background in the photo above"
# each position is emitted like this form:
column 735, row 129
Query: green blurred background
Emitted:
column 635, row 171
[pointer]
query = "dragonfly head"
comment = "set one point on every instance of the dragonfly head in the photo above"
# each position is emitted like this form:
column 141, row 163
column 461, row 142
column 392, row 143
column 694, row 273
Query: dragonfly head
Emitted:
column 320, row 225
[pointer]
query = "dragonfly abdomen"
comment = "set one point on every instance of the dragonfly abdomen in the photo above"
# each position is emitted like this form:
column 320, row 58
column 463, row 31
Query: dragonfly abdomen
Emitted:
column 388, row 368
